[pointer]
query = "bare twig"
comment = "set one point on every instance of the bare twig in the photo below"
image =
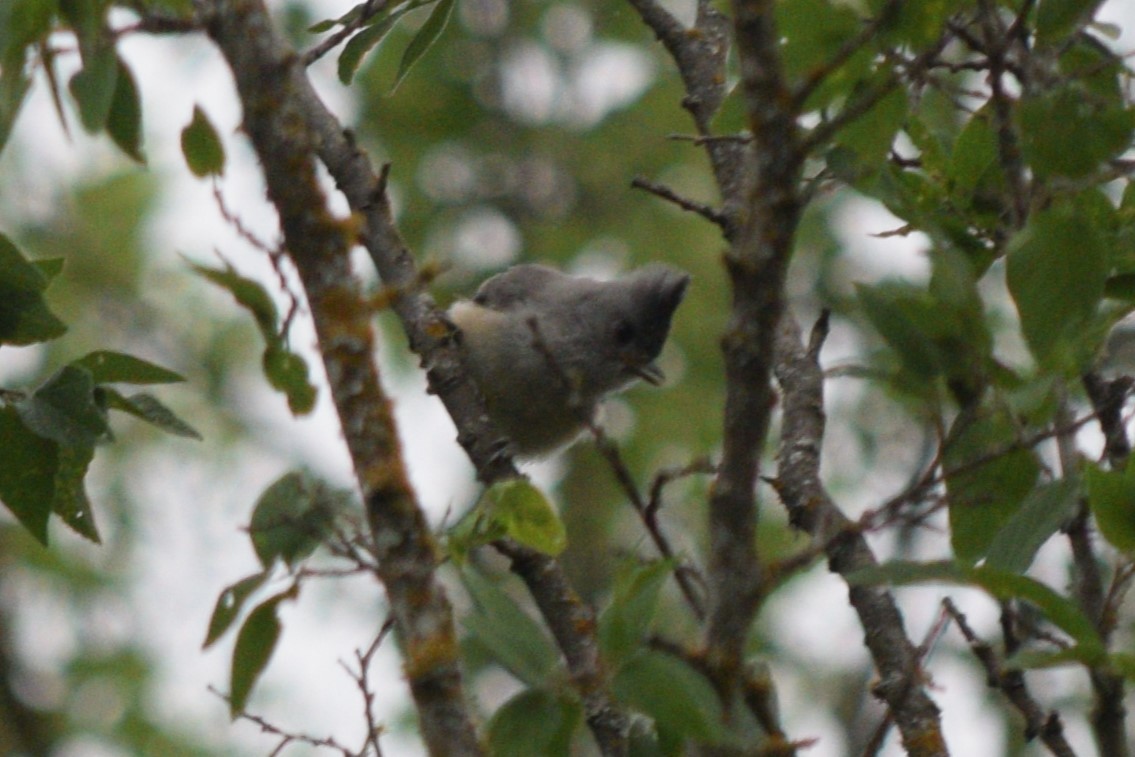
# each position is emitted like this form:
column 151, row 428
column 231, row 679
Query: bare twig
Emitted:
column 700, row 53
column 901, row 683
column 1011, row 683
column 361, row 677
column 288, row 738
column 151, row 22
column 276, row 254
column 705, row 211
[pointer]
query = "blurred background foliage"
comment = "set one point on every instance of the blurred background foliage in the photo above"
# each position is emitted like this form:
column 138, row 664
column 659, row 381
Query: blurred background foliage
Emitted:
column 515, row 138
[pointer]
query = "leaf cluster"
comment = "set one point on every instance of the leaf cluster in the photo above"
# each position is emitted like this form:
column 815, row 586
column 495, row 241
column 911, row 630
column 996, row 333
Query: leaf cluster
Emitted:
column 50, row 433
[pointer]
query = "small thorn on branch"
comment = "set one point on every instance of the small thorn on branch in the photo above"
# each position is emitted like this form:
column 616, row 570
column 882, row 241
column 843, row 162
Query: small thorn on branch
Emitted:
column 705, row 211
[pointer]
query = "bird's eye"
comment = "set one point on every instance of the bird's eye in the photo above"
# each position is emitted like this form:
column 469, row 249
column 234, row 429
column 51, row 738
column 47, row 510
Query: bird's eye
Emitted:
column 624, row 333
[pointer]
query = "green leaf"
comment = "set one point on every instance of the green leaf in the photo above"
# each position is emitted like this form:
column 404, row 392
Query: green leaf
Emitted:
column 64, row 409
column 1111, row 495
column 986, row 480
column 23, row 22
column 871, row 135
column 1037, row 658
column 325, row 25
column 254, row 646
column 70, row 502
column 330, row 23
column 293, row 516
column 1042, row 513
column 534, row 722
column 124, row 122
column 17, row 273
column 526, row 515
column 1057, row 19
column 229, row 604
column 150, row 409
column 202, row 148
column 975, row 153
column 424, row 39
column 1057, row 267
column 287, row 372
column 93, row 87
column 681, row 701
column 49, row 267
column 1071, row 130
column 1063, row 612
column 14, row 85
column 897, row 310
column 359, row 45
column 24, row 315
column 248, row 293
column 917, row 24
column 474, row 529
column 515, row 640
column 959, row 331
column 109, row 367
column 27, row 473
column 625, row 621
column 84, row 17
column 810, row 31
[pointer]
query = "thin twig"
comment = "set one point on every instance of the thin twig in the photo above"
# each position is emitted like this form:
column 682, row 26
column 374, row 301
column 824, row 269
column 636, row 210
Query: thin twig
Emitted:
column 276, row 255
column 933, row 634
column 362, row 681
column 647, row 511
column 286, row 737
column 711, row 214
column 368, row 10
column 1011, row 683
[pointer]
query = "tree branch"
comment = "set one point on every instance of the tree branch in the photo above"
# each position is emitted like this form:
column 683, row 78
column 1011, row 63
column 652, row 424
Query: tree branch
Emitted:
column 1109, row 715
column 572, row 624
column 436, row 340
column 699, row 54
column 275, row 95
column 901, row 683
column 756, row 263
column 1011, row 683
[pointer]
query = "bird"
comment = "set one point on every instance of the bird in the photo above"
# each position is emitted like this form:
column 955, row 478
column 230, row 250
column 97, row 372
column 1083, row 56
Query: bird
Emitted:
column 546, row 347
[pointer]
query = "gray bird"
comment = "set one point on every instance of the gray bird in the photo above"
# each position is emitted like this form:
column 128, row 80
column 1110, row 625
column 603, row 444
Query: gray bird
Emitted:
column 545, row 347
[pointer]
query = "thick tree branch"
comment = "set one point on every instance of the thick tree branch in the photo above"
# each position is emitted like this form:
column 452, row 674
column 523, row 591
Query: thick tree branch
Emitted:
column 433, row 337
column 572, row 623
column 271, row 84
column 901, row 683
column 756, row 263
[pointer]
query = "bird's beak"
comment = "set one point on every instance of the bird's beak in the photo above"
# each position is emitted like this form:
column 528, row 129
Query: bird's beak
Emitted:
column 650, row 373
